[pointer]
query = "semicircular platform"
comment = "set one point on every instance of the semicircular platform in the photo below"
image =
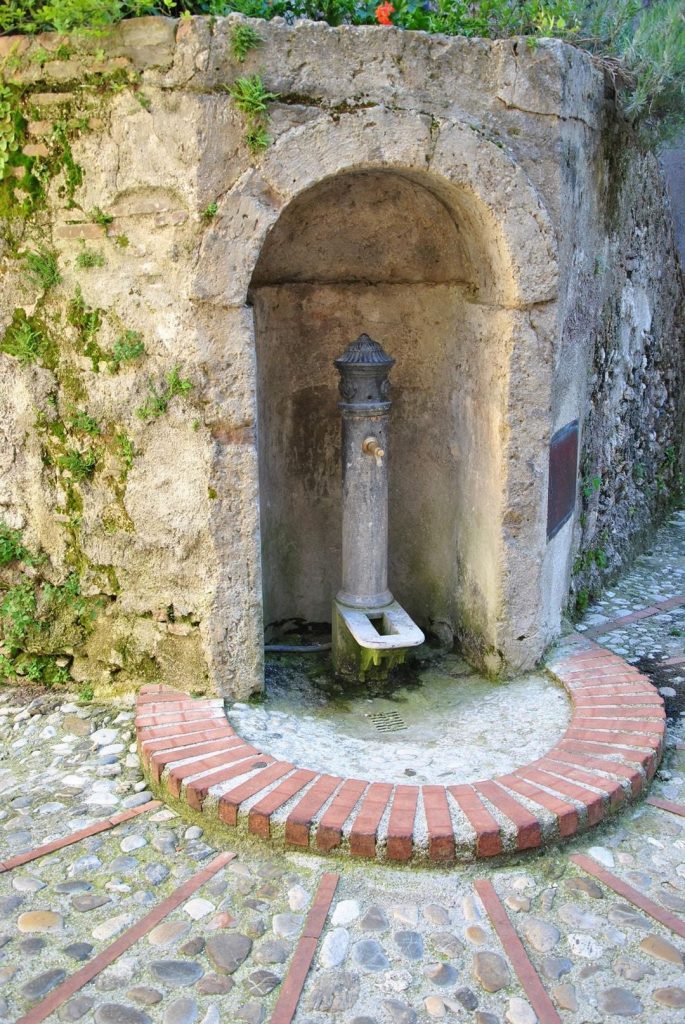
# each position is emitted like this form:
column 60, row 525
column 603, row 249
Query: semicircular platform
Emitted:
column 606, row 757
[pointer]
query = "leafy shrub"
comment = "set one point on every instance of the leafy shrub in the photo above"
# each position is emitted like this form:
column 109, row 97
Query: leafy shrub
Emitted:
column 250, row 95
column 87, row 322
column 125, row 450
column 83, row 423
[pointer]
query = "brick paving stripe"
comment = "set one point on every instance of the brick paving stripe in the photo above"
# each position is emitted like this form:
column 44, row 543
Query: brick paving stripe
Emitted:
column 644, row 613
column 515, row 950
column 634, row 896
column 76, row 982
column 292, row 986
column 76, row 837
column 667, row 805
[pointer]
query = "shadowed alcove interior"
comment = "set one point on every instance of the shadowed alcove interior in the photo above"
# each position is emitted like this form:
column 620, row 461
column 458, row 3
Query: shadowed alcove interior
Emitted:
column 413, row 262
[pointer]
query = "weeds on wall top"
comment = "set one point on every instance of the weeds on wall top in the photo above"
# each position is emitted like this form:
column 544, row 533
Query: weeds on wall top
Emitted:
column 243, row 39
column 641, row 44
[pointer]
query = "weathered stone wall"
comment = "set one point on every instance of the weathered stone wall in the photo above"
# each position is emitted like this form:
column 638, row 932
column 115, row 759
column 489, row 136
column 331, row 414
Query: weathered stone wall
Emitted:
column 560, row 261
column 672, row 161
column 631, row 467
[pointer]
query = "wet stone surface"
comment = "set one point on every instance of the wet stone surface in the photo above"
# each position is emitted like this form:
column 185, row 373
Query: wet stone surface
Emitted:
column 399, row 947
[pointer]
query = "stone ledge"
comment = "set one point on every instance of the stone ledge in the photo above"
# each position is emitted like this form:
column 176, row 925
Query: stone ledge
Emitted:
column 607, row 756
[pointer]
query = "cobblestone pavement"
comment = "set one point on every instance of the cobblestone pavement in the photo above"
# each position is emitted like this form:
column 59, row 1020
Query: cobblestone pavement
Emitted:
column 400, row 946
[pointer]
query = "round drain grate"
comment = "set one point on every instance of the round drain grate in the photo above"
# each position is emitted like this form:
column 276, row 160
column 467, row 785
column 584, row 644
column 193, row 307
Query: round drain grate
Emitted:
column 387, row 721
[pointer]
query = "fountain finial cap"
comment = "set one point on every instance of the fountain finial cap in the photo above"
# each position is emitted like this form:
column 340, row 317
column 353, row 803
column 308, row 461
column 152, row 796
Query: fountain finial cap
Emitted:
column 364, row 367
column 364, row 352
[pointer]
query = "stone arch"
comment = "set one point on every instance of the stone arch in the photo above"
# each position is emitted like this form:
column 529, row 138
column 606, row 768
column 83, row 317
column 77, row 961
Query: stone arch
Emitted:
column 503, row 260
column 491, row 190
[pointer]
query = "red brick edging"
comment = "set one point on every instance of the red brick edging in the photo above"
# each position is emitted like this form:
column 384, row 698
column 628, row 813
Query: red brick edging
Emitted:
column 608, row 755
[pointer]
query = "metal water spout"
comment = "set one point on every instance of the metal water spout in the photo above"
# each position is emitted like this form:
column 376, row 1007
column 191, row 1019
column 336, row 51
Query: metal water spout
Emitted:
column 371, row 631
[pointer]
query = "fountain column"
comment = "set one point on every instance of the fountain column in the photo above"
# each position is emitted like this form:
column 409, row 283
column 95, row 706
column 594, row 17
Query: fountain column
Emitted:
column 371, row 631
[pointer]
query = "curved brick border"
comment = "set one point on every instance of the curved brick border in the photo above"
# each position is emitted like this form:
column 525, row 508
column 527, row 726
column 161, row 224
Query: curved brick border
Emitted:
column 608, row 754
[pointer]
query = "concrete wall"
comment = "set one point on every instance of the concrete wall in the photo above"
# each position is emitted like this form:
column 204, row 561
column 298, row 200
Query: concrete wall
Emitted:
column 467, row 202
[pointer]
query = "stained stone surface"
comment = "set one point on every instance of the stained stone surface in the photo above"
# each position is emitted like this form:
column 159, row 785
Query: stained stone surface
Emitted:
column 502, row 727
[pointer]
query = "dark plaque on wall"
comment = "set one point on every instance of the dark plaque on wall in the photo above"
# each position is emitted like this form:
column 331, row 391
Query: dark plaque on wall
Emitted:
column 563, row 474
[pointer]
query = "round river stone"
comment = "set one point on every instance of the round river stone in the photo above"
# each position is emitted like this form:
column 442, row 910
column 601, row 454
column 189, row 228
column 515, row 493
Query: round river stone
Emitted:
column 40, row 921
column 177, row 973
column 227, row 952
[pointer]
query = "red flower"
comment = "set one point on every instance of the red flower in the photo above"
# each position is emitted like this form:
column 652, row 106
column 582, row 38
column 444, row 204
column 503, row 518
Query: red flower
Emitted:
column 383, row 12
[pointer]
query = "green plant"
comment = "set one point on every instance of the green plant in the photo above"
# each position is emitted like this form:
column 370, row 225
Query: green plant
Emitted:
column 122, row 241
column 12, row 125
column 18, row 611
column 582, row 601
column 591, row 486
column 67, row 15
column 256, row 137
column 41, row 265
column 128, row 347
column 243, row 39
column 39, row 622
column 125, row 450
column 252, row 98
column 250, row 95
column 81, row 465
column 26, row 340
column 87, row 322
column 42, row 56
column 86, row 693
column 145, row 101
column 83, row 423
column 88, row 258
column 98, row 217
column 600, row 558
column 64, row 158
column 157, row 402
column 210, row 211
column 11, row 546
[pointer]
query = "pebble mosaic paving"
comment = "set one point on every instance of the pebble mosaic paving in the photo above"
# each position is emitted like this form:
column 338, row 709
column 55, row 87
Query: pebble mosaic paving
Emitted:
column 399, row 946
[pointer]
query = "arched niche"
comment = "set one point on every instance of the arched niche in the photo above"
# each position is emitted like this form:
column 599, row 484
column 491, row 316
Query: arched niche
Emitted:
column 410, row 260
